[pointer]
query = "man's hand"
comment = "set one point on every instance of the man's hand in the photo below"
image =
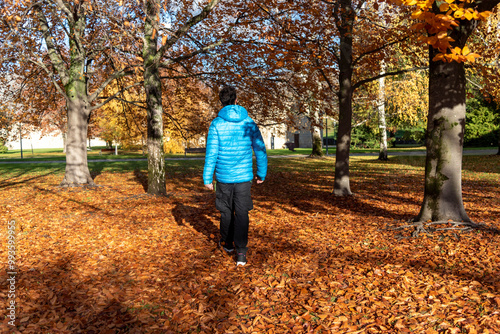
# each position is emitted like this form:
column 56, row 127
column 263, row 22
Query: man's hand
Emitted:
column 209, row 186
column 259, row 181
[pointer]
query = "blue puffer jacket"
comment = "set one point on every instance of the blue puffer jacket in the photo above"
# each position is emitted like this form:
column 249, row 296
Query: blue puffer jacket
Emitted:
column 231, row 138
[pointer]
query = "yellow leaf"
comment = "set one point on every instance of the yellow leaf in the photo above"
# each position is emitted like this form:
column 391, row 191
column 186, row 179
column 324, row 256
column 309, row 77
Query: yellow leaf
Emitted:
column 485, row 14
column 411, row 2
column 465, row 51
column 469, row 15
column 458, row 14
column 472, row 57
column 449, row 1
column 438, row 57
column 444, row 7
column 416, row 14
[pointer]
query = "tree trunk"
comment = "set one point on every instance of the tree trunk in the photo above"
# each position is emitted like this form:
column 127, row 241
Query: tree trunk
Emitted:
column 317, row 147
column 381, row 117
column 341, row 183
column 77, row 170
column 78, row 109
column 444, row 142
column 498, row 153
column 153, row 89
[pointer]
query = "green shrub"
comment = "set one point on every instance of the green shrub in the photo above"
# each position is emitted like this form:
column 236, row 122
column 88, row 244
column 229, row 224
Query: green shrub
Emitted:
column 481, row 123
column 3, row 148
column 364, row 137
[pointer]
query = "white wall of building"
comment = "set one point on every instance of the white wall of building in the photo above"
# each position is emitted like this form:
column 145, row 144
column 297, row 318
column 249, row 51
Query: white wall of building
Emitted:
column 53, row 140
column 274, row 133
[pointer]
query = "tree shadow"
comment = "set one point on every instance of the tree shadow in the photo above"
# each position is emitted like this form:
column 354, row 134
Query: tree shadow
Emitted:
column 10, row 181
column 142, row 178
column 96, row 170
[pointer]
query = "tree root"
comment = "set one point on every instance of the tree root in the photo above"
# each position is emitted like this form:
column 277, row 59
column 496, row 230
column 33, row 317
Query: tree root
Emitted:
column 89, row 185
column 429, row 228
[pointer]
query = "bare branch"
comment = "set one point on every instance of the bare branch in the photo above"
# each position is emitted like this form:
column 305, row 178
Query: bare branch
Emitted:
column 362, row 82
column 185, row 28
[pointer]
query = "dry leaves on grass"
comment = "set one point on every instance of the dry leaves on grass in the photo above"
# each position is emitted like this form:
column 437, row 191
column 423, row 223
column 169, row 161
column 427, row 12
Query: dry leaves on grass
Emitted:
column 115, row 260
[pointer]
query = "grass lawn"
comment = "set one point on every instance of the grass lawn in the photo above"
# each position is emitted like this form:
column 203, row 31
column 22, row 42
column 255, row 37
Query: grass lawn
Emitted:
column 114, row 259
column 94, row 154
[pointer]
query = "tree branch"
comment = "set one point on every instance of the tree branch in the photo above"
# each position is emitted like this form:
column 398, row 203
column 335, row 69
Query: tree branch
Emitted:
column 54, row 56
column 51, row 76
column 185, row 28
column 362, row 82
column 378, row 49
column 116, row 75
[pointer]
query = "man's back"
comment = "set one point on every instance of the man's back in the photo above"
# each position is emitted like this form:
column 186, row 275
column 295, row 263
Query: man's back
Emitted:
column 231, row 137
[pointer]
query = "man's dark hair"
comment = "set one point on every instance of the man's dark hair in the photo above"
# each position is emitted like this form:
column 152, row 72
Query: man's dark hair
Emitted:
column 227, row 95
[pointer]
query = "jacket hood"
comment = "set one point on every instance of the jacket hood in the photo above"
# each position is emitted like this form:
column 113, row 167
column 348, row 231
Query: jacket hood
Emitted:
column 233, row 113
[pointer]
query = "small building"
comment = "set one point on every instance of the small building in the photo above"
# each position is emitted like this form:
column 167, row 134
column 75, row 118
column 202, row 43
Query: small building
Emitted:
column 54, row 140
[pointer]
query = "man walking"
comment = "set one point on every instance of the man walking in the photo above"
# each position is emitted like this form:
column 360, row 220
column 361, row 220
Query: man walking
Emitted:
column 231, row 137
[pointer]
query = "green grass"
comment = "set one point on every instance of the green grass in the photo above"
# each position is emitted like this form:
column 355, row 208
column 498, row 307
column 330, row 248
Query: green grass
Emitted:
column 483, row 167
column 94, row 154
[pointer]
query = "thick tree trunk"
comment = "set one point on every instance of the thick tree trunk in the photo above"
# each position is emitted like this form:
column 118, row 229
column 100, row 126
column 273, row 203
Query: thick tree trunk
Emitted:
column 77, row 170
column 341, row 184
column 444, row 141
column 381, row 117
column 152, row 86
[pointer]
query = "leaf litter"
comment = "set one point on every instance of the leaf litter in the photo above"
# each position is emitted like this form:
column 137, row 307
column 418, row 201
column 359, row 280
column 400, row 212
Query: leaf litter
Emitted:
column 116, row 260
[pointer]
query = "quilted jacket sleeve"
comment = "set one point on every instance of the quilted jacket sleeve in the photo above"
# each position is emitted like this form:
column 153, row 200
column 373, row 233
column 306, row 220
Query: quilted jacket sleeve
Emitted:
column 260, row 152
column 212, row 152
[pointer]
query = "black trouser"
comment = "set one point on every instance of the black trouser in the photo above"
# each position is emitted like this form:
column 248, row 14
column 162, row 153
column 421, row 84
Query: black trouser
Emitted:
column 234, row 200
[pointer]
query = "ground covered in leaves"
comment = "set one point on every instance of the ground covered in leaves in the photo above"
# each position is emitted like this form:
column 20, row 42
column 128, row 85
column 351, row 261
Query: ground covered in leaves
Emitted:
column 115, row 260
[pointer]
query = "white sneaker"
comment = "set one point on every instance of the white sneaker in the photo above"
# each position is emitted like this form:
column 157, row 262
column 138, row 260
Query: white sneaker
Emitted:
column 241, row 260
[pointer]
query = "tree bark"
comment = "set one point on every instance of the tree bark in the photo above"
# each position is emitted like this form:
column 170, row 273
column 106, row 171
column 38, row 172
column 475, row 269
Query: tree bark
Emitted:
column 77, row 170
column 341, row 183
column 153, row 89
column 64, row 136
column 444, row 142
column 317, row 148
column 381, row 117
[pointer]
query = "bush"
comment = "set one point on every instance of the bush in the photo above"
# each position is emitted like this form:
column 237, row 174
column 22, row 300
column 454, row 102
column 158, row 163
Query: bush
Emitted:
column 481, row 124
column 413, row 136
column 3, row 148
column 173, row 146
column 363, row 137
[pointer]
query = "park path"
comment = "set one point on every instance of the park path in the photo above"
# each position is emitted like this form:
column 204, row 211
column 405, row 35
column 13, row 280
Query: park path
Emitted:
column 374, row 154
